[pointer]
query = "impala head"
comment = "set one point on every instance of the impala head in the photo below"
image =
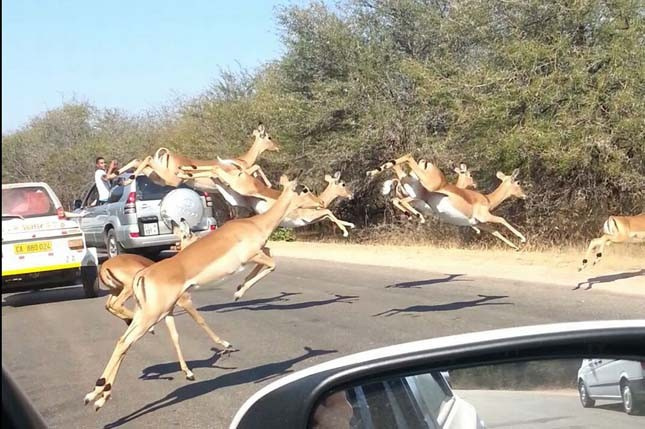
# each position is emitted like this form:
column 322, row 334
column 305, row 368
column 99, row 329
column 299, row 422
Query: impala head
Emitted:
column 264, row 140
column 465, row 179
column 512, row 183
column 338, row 187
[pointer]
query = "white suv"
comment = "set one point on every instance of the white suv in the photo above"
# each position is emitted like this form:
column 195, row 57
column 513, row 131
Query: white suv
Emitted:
column 41, row 247
column 612, row 379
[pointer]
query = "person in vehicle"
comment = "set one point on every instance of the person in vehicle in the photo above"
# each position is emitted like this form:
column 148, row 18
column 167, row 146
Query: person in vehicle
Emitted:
column 103, row 178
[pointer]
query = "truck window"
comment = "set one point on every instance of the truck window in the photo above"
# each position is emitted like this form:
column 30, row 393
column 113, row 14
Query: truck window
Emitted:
column 29, row 201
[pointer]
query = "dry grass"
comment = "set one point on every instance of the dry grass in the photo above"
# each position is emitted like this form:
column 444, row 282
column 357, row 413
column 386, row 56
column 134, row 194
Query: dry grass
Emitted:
column 622, row 269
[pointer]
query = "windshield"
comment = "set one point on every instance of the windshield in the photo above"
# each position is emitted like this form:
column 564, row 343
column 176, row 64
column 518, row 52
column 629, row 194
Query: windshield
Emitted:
column 27, row 202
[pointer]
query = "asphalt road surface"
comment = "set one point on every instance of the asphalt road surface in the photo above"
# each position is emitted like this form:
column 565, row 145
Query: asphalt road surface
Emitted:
column 56, row 343
column 546, row 410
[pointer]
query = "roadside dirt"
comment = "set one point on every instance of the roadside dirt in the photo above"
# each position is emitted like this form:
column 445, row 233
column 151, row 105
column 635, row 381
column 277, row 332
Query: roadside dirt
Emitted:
column 622, row 269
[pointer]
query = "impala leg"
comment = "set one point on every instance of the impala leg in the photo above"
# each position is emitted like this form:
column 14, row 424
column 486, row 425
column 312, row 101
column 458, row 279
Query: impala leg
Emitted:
column 121, row 312
column 174, row 336
column 196, row 168
column 135, row 331
column 266, row 265
column 405, row 202
column 319, row 215
column 187, row 304
column 402, row 160
column 132, row 164
column 599, row 244
column 490, row 218
column 118, row 305
column 256, row 169
column 197, row 175
column 149, row 165
column 497, row 234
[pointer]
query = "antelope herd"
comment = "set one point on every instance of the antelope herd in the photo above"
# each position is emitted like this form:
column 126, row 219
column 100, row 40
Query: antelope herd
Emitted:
column 419, row 189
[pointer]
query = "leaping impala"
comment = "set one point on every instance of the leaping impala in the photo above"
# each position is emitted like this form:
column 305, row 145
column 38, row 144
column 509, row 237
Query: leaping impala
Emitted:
column 407, row 186
column 163, row 168
column 240, row 189
column 158, row 287
column 616, row 229
column 118, row 273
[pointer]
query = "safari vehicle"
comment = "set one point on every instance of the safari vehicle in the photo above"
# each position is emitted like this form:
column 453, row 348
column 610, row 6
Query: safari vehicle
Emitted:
column 41, row 247
column 130, row 221
column 611, row 379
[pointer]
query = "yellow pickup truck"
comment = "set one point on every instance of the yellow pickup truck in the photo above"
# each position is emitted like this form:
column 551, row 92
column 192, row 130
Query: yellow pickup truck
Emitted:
column 41, row 246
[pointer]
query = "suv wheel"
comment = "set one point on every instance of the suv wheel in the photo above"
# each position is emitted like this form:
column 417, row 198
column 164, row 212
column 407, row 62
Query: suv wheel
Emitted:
column 585, row 400
column 112, row 245
column 629, row 404
column 90, row 280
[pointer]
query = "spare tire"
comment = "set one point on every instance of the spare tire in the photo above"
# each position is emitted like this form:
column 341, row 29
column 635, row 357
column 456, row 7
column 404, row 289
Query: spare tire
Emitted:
column 181, row 204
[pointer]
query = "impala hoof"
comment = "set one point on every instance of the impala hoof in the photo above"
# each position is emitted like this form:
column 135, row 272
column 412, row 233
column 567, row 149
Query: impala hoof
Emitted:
column 190, row 377
column 86, row 401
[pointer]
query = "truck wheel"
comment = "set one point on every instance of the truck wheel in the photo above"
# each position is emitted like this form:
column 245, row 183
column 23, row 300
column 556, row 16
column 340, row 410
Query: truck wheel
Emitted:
column 90, row 280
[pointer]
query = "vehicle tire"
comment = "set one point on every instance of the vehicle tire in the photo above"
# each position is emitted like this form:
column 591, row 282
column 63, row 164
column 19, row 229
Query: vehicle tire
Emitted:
column 112, row 245
column 585, row 400
column 629, row 403
column 90, row 280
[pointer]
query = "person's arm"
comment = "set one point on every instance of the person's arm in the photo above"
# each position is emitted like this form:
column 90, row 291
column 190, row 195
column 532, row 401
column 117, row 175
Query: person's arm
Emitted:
column 112, row 171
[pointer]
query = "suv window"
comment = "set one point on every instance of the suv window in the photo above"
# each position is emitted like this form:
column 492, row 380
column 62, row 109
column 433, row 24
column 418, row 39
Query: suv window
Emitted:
column 28, row 201
column 148, row 190
column 115, row 194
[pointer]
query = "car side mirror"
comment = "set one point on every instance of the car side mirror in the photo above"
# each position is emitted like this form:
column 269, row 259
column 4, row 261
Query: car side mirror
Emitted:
column 404, row 385
column 78, row 204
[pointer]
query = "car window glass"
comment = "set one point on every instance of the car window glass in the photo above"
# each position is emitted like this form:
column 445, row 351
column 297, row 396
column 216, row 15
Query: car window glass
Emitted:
column 407, row 402
column 91, row 198
column 431, row 391
column 115, row 194
column 148, row 190
column 27, row 202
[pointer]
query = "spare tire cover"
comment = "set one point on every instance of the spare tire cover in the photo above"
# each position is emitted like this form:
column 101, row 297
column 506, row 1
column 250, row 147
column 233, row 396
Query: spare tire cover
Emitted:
column 181, row 204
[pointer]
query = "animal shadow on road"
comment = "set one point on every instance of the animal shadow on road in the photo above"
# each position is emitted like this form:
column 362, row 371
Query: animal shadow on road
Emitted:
column 609, row 278
column 161, row 371
column 256, row 374
column 268, row 304
column 417, row 284
column 46, row 296
column 237, row 304
column 458, row 305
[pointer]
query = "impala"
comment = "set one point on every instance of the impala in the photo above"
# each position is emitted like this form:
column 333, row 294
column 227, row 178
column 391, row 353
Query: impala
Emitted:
column 616, row 229
column 163, row 168
column 158, row 287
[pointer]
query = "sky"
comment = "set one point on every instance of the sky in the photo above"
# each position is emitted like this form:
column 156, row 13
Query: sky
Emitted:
column 130, row 55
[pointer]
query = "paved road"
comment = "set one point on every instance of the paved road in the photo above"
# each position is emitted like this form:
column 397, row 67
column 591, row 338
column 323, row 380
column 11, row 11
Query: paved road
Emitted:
column 547, row 410
column 56, row 343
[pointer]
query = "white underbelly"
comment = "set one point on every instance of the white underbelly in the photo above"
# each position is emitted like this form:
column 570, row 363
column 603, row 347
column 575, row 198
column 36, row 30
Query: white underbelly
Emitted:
column 231, row 197
column 293, row 223
column 261, row 206
column 445, row 211
column 410, row 191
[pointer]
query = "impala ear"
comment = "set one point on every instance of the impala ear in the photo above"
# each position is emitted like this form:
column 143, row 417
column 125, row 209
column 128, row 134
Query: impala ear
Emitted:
column 500, row 175
column 457, row 170
column 463, row 167
column 515, row 173
column 284, row 180
column 261, row 128
column 337, row 175
column 328, row 178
